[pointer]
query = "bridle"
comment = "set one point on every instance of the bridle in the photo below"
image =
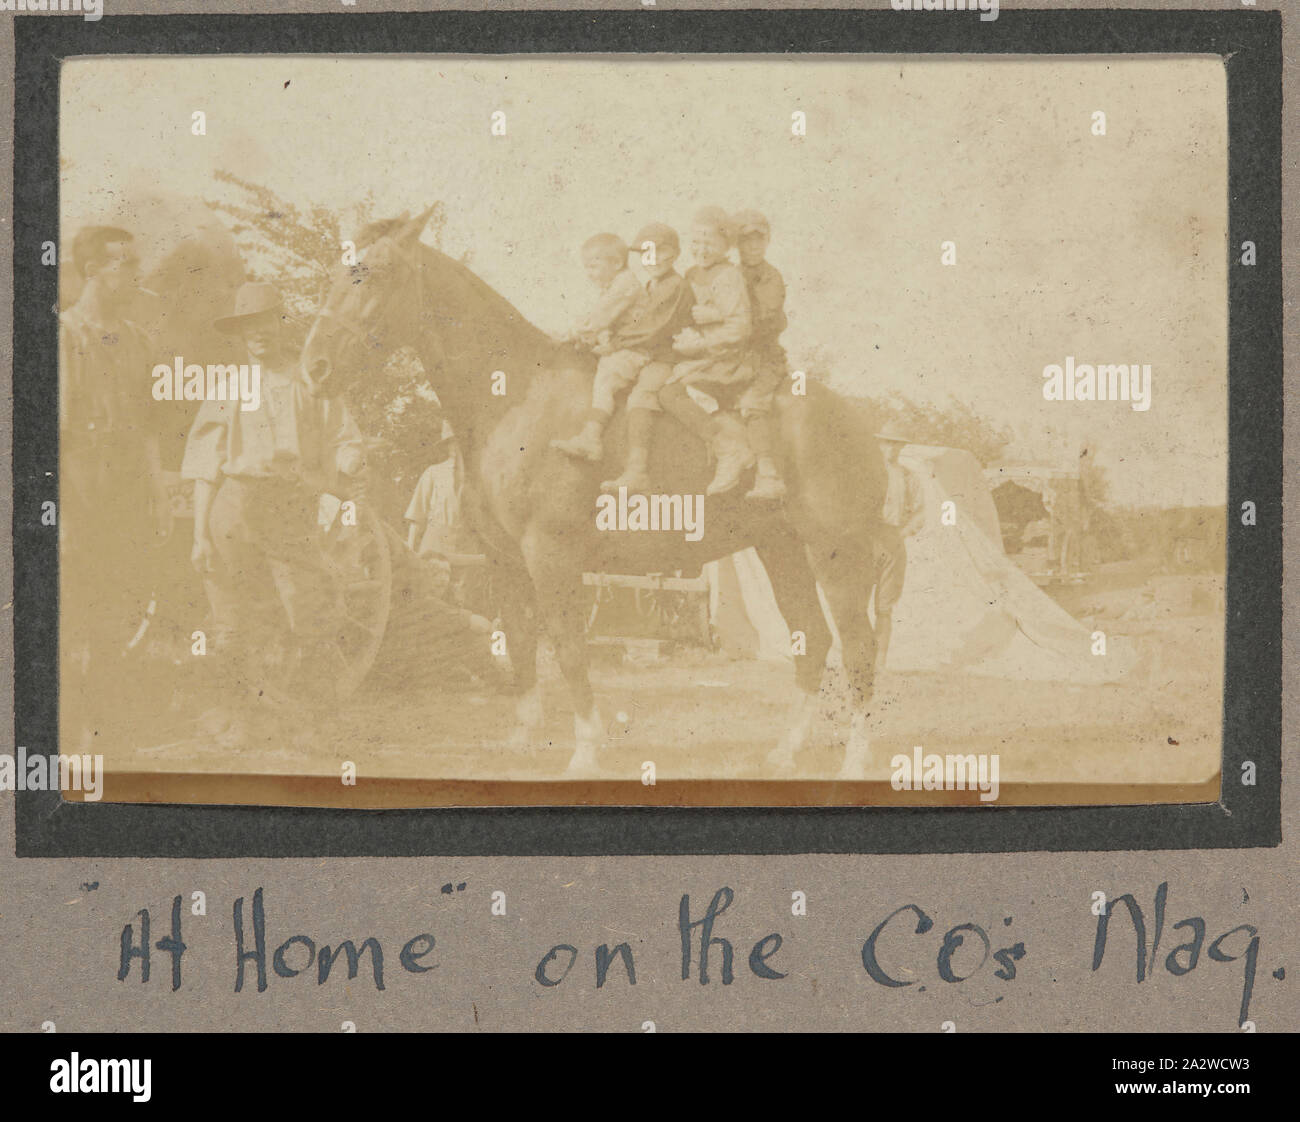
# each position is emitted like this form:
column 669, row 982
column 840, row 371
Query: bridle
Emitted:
column 360, row 334
column 481, row 524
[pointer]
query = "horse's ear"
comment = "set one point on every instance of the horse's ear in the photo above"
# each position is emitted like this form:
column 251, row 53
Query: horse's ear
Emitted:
column 415, row 227
column 372, row 231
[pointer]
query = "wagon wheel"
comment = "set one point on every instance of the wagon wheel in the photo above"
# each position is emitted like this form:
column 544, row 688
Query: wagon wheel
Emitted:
column 359, row 560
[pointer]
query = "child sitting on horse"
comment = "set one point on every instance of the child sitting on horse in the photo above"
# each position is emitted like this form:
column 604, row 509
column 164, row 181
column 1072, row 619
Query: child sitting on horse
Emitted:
column 767, row 305
column 648, row 346
column 604, row 257
column 713, row 355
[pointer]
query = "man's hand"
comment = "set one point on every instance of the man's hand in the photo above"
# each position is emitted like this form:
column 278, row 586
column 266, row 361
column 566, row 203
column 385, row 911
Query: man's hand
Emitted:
column 204, row 555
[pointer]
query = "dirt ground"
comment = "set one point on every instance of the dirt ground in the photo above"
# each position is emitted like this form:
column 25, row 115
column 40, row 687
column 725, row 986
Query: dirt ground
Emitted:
column 700, row 715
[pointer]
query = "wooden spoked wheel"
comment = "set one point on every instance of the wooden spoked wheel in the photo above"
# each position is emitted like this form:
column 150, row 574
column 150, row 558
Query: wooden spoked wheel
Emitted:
column 359, row 561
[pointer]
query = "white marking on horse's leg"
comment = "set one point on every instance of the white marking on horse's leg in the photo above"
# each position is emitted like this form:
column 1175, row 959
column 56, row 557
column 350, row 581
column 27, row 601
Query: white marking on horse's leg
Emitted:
column 781, row 758
column 589, row 735
column 529, row 719
column 857, row 751
column 528, row 708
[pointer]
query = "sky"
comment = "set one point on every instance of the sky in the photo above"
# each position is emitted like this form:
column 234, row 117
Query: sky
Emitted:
column 1109, row 249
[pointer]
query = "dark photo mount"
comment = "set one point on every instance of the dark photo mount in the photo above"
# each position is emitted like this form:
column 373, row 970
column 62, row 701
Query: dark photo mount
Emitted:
column 1245, row 815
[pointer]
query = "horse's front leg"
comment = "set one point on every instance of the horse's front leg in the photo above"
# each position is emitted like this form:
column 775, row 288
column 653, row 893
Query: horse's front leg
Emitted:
column 519, row 622
column 795, row 590
column 557, row 579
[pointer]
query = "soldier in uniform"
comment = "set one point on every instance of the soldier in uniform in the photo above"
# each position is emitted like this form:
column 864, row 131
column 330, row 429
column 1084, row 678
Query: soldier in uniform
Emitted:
column 258, row 476
column 113, row 498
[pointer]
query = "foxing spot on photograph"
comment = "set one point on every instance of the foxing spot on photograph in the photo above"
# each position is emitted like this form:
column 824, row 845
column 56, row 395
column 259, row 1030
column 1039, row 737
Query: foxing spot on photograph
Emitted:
column 706, row 430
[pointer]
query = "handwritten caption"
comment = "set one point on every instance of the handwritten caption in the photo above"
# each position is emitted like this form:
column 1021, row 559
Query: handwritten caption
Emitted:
column 708, row 956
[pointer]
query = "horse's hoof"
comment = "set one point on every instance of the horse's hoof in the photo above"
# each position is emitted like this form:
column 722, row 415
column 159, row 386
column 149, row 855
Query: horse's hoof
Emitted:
column 524, row 739
column 583, row 764
column 857, row 752
column 589, row 737
column 852, row 771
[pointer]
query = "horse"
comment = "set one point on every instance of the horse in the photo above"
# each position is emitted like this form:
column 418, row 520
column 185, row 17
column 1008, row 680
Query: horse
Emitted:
column 508, row 389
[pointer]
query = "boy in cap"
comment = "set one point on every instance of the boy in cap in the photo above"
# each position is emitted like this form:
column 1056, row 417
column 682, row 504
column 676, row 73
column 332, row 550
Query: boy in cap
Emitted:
column 647, row 343
column 604, row 257
column 712, row 354
column 258, row 476
column 767, row 304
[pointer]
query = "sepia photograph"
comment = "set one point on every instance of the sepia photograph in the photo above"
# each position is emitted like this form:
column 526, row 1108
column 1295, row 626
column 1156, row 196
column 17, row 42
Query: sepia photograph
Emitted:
column 644, row 430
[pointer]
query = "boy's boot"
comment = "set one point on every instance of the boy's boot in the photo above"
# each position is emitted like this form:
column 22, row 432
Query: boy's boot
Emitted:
column 587, row 444
column 723, row 435
column 732, row 452
column 636, row 476
column 768, row 484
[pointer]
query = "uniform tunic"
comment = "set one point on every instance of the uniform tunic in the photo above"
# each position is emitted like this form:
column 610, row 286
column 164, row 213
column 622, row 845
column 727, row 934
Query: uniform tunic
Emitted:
column 271, row 464
column 291, row 436
column 106, row 413
column 106, row 417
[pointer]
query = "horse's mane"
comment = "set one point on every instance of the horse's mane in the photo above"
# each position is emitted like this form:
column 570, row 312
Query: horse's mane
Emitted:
column 490, row 304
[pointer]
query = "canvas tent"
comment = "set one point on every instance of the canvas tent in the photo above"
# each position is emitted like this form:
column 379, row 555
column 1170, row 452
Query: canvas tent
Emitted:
column 965, row 604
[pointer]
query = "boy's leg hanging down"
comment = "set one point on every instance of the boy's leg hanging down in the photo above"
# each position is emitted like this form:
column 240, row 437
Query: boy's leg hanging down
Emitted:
column 614, row 373
column 642, row 405
column 768, row 484
column 756, row 408
column 588, row 444
column 636, row 475
column 723, row 435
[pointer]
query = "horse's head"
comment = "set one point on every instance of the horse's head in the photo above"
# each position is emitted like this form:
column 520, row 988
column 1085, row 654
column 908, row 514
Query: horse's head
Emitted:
column 371, row 308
